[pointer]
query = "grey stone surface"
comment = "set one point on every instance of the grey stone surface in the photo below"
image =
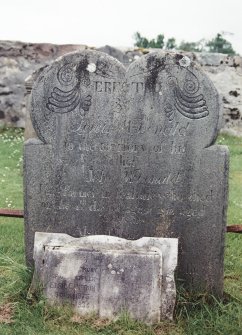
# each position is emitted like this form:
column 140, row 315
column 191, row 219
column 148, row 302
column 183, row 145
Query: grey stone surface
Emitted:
column 129, row 153
column 29, row 131
column 116, row 53
column 225, row 71
column 18, row 60
column 106, row 274
column 228, row 81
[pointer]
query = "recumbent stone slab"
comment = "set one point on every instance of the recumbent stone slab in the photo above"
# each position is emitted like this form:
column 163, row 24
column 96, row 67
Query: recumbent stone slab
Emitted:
column 130, row 153
column 108, row 275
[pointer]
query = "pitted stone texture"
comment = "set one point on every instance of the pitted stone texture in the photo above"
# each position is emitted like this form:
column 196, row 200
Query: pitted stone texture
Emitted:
column 107, row 275
column 70, row 95
column 127, row 153
column 29, row 131
column 18, row 60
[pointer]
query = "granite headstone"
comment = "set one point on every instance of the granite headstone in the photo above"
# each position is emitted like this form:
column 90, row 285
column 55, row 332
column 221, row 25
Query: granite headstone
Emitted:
column 130, row 153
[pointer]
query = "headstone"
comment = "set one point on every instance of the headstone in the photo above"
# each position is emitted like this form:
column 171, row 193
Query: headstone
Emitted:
column 29, row 131
column 108, row 275
column 130, row 153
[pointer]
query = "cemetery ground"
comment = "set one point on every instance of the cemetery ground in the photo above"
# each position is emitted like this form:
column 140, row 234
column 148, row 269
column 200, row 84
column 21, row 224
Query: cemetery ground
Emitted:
column 23, row 314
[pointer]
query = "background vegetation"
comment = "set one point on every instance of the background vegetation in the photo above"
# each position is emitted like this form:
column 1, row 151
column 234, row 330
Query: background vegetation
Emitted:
column 217, row 44
column 23, row 314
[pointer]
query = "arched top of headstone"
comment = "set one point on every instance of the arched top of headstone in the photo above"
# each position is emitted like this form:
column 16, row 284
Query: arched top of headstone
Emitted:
column 66, row 89
column 164, row 91
column 182, row 94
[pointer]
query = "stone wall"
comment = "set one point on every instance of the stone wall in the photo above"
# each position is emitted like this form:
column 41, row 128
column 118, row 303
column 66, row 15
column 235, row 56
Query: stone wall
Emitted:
column 18, row 60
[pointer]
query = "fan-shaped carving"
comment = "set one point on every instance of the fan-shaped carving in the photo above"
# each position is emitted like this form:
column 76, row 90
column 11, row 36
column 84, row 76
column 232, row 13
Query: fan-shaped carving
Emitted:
column 191, row 106
column 187, row 101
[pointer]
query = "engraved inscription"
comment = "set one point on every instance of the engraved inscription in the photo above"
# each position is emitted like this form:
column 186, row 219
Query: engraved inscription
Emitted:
column 126, row 152
column 80, row 289
column 86, row 126
column 156, row 190
column 114, row 86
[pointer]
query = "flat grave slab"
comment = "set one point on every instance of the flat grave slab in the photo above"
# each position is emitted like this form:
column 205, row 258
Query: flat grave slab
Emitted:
column 108, row 275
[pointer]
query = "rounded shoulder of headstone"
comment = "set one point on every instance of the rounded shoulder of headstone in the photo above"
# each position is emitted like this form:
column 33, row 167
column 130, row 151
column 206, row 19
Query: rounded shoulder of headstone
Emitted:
column 88, row 60
column 186, row 93
column 89, row 53
column 165, row 58
column 66, row 87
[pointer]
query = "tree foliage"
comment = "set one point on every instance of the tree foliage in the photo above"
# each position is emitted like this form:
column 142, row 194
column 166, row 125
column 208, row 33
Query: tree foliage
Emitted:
column 171, row 43
column 192, row 46
column 217, row 44
column 143, row 42
column 221, row 45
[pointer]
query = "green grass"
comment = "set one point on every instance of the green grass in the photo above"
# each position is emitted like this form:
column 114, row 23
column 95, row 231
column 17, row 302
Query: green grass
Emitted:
column 233, row 252
column 195, row 315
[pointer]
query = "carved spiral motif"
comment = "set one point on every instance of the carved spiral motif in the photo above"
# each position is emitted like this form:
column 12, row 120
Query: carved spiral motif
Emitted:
column 66, row 75
column 172, row 81
column 191, row 86
column 67, row 100
column 187, row 101
column 191, row 106
column 61, row 102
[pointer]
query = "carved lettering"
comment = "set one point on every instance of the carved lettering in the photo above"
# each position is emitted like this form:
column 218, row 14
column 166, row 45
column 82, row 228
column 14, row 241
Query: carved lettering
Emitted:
column 138, row 87
column 178, row 148
column 107, row 86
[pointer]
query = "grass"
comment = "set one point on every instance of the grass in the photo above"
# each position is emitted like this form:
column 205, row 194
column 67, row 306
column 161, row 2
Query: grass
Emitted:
column 21, row 314
column 233, row 252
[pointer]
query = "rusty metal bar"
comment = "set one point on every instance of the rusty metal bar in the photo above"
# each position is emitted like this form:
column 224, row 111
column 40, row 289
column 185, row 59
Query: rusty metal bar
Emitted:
column 16, row 213
column 234, row 229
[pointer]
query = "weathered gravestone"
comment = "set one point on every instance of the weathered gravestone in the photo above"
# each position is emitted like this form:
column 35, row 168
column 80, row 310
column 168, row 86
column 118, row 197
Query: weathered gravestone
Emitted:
column 108, row 275
column 29, row 131
column 129, row 153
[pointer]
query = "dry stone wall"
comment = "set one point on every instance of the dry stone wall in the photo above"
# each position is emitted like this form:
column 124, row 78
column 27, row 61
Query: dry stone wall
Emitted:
column 18, row 60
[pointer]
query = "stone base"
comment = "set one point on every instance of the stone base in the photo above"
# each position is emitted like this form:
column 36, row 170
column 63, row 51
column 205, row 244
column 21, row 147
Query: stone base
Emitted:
column 108, row 275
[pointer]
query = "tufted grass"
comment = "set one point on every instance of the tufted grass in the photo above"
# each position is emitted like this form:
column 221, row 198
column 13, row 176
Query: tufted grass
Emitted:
column 195, row 315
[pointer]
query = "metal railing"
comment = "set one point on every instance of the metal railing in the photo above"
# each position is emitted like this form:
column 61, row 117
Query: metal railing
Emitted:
column 15, row 213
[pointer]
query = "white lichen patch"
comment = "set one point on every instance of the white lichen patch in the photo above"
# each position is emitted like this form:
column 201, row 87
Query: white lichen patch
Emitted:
column 185, row 61
column 113, row 272
column 110, row 266
column 91, row 67
column 69, row 266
